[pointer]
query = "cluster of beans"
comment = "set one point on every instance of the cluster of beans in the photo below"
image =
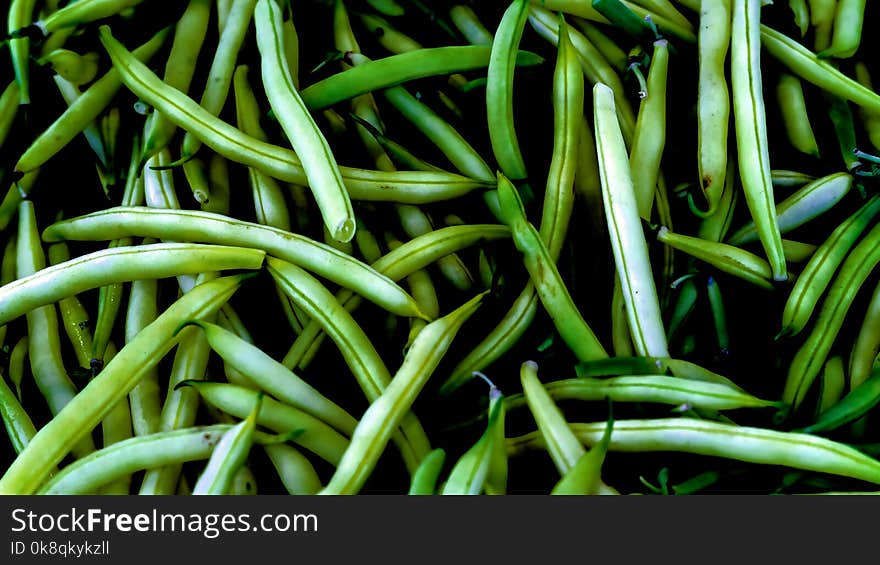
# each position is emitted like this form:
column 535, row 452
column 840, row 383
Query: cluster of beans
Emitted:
column 445, row 247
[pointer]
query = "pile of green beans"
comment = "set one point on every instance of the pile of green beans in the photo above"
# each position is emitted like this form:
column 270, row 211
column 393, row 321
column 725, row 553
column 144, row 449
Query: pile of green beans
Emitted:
column 448, row 247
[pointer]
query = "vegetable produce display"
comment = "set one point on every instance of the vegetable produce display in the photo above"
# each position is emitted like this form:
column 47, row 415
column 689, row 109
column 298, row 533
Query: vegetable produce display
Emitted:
column 500, row 247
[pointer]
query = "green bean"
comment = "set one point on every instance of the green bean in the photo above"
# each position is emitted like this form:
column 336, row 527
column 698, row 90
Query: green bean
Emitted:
column 274, row 378
column 387, row 7
column 719, row 316
column 44, row 354
column 8, row 272
column 861, row 399
column 216, row 90
column 805, row 64
column 188, row 225
column 52, row 442
column 74, row 317
column 110, row 296
column 228, row 455
column 16, row 420
column 378, row 74
column 283, row 164
column 399, row 154
column 724, row 257
column 119, row 264
column 387, row 36
column 716, row 439
column 576, row 8
column 832, row 385
column 244, row 482
column 648, row 388
column 17, row 360
column 649, row 138
column 387, row 411
column 665, row 9
column 652, row 366
column 801, row 14
column 751, row 130
column 82, row 112
column 499, row 90
column 621, row 337
column 618, row 365
column 585, row 476
column 808, row 203
column 422, row 288
column 71, row 93
column 849, row 18
column 615, row 56
column 470, row 473
column 627, row 238
column 122, row 459
column 870, row 119
column 322, row 172
column 568, row 103
column 569, row 322
column 798, row 251
column 316, row 436
column 786, row 178
column 17, row 192
column 197, row 179
column 82, row 12
column 116, row 427
column 793, row 107
column 595, row 68
column 294, row 469
column 268, row 199
column 633, row 19
column 424, row 480
column 808, row 360
column 9, row 102
column 867, row 343
column 683, row 308
column 470, row 26
column 144, row 400
column 817, row 274
column 841, row 118
column 562, row 445
column 181, row 404
column 189, row 35
column 218, row 180
column 159, row 189
column 71, row 66
column 496, row 477
column 20, row 16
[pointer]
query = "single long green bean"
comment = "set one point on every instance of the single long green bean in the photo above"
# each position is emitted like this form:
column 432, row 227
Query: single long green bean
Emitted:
column 716, row 439
column 190, row 225
column 378, row 74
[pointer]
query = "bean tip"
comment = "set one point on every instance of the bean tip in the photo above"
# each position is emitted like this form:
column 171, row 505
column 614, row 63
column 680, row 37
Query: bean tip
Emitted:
column 345, row 230
column 187, row 383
